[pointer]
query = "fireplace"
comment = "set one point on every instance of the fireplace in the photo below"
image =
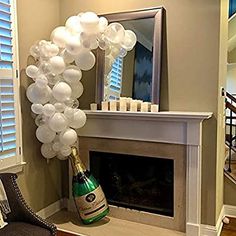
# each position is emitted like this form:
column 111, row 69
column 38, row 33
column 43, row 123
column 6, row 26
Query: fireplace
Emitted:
column 135, row 182
column 167, row 135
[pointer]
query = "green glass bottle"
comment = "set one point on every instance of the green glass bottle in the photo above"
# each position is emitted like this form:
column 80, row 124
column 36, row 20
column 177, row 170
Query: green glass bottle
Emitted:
column 89, row 198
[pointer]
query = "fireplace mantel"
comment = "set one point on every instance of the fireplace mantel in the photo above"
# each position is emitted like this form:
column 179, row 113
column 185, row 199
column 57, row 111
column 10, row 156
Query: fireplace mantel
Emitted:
column 162, row 127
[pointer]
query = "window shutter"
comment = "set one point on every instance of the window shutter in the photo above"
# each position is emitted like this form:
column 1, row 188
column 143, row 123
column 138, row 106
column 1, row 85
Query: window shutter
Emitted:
column 7, row 84
column 116, row 79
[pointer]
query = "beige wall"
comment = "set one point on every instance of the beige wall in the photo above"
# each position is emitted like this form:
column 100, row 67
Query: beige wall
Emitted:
column 40, row 182
column 232, row 56
column 190, row 72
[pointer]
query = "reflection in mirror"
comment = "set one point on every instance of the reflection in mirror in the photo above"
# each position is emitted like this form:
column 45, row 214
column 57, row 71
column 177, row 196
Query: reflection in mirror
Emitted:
column 137, row 75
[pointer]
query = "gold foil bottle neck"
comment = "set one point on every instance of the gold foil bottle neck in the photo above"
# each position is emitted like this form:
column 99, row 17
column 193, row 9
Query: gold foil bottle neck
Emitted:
column 76, row 163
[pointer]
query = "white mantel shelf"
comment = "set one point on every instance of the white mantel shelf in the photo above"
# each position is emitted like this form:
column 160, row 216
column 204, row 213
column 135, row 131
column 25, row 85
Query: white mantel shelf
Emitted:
column 166, row 127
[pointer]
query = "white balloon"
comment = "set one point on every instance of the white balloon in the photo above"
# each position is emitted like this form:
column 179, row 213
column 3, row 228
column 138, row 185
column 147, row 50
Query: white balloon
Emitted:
column 103, row 23
column 48, row 110
column 68, row 137
column 56, row 146
column 115, row 32
column 61, row 91
column 68, row 58
column 58, row 122
column 37, row 108
column 41, row 81
column 77, row 90
column 89, row 22
column 85, row 60
column 47, row 150
column 129, row 40
column 37, row 94
column 72, row 74
column 88, row 41
column 59, row 36
column 61, row 157
column 45, row 67
column 60, row 107
column 73, row 45
column 78, row 120
column 65, row 151
column 32, row 71
column 34, row 51
column 41, row 120
column 69, row 113
column 53, row 79
column 57, row 65
column 73, row 103
column 44, row 134
column 73, row 24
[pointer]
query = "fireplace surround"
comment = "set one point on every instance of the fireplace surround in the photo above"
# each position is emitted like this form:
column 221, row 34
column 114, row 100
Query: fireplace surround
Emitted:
column 173, row 132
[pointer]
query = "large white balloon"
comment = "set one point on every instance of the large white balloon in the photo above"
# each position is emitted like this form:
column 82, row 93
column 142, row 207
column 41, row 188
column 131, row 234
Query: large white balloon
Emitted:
column 37, row 94
column 44, row 134
column 73, row 45
column 73, row 24
column 68, row 137
column 59, row 36
column 85, row 60
column 115, row 32
column 32, row 71
column 78, row 120
column 72, row 74
column 47, row 150
column 89, row 22
column 58, row 122
column 61, row 91
column 57, row 65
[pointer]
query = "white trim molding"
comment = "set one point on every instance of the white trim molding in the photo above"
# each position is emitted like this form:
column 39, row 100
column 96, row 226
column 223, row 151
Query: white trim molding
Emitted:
column 230, row 210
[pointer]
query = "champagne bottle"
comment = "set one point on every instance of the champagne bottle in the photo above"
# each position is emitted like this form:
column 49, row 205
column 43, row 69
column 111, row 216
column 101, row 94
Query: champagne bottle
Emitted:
column 89, row 198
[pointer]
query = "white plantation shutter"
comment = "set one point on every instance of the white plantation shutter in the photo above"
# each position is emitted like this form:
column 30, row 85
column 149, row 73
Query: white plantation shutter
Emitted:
column 116, row 79
column 9, row 103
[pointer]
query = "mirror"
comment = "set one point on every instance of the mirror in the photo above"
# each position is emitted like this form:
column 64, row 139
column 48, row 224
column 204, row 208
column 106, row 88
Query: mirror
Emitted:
column 137, row 75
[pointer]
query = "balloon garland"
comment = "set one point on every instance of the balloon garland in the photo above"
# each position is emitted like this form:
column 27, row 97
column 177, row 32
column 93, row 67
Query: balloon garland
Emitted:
column 59, row 64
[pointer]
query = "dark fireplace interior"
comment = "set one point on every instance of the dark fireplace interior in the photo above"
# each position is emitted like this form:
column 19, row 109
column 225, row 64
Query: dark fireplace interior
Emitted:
column 135, row 182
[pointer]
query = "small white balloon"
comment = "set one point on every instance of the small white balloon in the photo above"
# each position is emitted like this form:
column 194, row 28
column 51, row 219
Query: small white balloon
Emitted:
column 77, row 90
column 44, row 134
column 59, row 36
column 41, row 81
column 58, row 122
column 61, row 157
column 73, row 103
column 37, row 108
column 36, row 94
column 103, row 23
column 85, row 60
column 34, row 51
column 45, row 67
column 68, row 137
column 78, row 120
column 47, row 151
column 68, row 58
column 129, row 40
column 32, row 71
column 57, row 65
column 56, row 146
column 69, row 113
column 61, row 91
column 72, row 74
column 48, row 110
column 73, row 24
column 65, row 151
column 53, row 79
column 41, row 120
column 60, row 107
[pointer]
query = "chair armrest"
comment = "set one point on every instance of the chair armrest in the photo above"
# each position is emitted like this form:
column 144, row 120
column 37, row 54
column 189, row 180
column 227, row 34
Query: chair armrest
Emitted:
column 20, row 211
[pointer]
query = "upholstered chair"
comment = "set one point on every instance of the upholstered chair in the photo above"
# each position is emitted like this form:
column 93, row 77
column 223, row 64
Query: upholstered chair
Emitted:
column 22, row 221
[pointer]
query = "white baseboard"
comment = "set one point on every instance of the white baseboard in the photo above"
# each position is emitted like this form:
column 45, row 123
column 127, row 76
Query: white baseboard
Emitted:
column 53, row 208
column 230, row 210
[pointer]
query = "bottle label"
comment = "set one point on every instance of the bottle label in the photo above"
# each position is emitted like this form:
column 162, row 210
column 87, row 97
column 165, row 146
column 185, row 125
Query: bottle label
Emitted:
column 91, row 204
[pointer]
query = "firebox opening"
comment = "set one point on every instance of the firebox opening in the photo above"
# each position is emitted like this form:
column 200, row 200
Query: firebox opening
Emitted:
column 135, row 182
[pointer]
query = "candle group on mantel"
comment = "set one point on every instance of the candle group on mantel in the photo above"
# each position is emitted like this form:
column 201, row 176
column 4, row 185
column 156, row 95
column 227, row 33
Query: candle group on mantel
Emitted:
column 126, row 104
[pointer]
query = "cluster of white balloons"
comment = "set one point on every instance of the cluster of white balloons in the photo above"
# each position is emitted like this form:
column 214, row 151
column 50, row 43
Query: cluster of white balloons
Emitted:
column 58, row 71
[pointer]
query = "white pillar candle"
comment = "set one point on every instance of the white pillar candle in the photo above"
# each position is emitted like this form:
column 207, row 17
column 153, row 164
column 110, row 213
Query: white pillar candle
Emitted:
column 144, row 107
column 154, row 108
column 133, row 106
column 123, row 105
column 104, row 106
column 93, row 107
column 113, row 106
